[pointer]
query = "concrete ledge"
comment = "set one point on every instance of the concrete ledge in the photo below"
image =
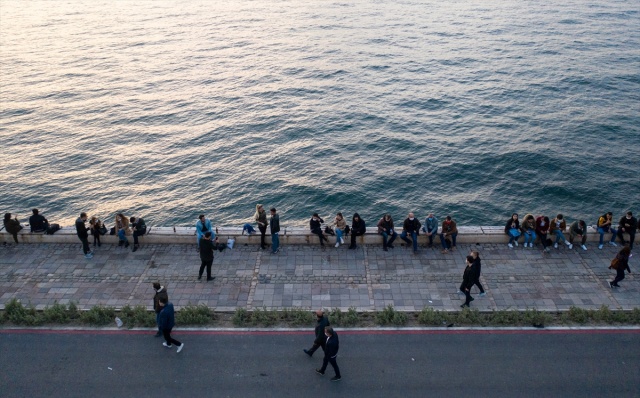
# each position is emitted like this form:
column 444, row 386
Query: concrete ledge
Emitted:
column 288, row 236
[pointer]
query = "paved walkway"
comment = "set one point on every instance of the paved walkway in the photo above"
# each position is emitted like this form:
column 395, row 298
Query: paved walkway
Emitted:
column 308, row 277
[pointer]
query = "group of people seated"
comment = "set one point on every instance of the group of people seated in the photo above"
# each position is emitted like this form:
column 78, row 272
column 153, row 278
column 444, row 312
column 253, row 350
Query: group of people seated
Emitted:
column 37, row 222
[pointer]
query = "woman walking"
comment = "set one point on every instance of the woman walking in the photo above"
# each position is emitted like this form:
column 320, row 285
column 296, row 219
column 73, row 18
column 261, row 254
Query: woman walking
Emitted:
column 468, row 279
column 261, row 219
column 621, row 264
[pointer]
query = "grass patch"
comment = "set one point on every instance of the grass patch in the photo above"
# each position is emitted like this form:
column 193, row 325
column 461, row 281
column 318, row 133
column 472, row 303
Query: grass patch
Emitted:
column 264, row 317
column 535, row 318
column 578, row 315
column 389, row 316
column 98, row 316
column 18, row 314
column 430, row 317
column 137, row 316
column 504, row 317
column 297, row 317
column 470, row 316
column 194, row 315
column 241, row 317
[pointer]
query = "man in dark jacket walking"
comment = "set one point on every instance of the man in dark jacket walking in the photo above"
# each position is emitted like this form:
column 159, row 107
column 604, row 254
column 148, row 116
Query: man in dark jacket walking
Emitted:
column 468, row 279
column 167, row 322
column 320, row 339
column 332, row 345
column 411, row 227
column 161, row 292
column 83, row 235
column 358, row 228
column 206, row 255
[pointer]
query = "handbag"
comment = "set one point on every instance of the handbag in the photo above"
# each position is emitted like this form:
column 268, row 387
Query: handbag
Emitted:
column 103, row 230
column 614, row 263
column 329, row 230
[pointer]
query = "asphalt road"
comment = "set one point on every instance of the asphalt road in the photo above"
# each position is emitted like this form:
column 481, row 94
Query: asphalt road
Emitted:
column 135, row 364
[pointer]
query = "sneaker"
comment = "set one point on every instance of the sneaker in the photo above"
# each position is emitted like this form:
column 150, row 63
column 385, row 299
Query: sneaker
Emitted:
column 341, row 241
column 482, row 294
column 614, row 244
column 516, row 242
column 336, row 378
column 337, row 244
column 583, row 247
column 385, row 249
column 88, row 255
column 471, row 299
column 180, row 347
column 567, row 243
column 510, row 245
column 570, row 245
column 531, row 245
column 445, row 251
column 126, row 244
column 390, row 246
column 600, row 247
column 319, row 372
column 610, row 285
column 555, row 245
column 135, row 248
column 167, row 345
column 199, row 277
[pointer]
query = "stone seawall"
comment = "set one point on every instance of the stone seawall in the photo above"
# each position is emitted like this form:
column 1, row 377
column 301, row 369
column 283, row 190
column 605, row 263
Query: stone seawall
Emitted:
column 288, row 236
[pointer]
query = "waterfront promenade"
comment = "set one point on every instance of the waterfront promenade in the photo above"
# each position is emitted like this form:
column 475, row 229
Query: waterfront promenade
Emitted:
column 307, row 277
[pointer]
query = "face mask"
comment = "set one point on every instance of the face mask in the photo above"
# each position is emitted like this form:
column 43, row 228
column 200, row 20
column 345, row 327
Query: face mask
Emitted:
column 411, row 219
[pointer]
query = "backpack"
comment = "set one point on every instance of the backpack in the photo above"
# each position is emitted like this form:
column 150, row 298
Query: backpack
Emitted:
column 52, row 229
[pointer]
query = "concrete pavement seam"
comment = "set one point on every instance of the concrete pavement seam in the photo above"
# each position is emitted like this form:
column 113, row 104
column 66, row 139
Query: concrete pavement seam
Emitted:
column 254, row 279
column 367, row 270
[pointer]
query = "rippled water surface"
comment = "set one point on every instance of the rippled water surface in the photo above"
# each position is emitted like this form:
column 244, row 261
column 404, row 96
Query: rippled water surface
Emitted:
column 169, row 109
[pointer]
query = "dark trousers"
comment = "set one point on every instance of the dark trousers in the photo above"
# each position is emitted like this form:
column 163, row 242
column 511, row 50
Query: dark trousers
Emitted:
column 326, row 360
column 477, row 283
column 320, row 235
column 413, row 240
column 431, row 238
column 206, row 263
column 85, row 244
column 167, row 337
column 263, row 231
column 467, row 293
column 632, row 237
column 317, row 344
column 15, row 237
column 353, row 238
column 158, row 321
column 96, row 238
column 619, row 275
column 389, row 242
column 138, row 233
column 543, row 239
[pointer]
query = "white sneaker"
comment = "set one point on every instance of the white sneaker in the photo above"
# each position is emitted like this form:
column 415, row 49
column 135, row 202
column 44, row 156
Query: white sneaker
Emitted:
column 613, row 244
column 584, row 247
column 180, row 347
column 555, row 245
column 510, row 245
column 570, row 245
column 167, row 345
column 516, row 242
column 600, row 247
column 531, row 245
column 337, row 244
column 342, row 241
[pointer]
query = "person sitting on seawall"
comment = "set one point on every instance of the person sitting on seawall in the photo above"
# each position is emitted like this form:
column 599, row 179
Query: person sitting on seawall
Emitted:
column 339, row 224
column 605, row 225
column 385, row 228
column 512, row 229
column 203, row 226
column 449, row 230
column 557, row 228
column 12, row 226
column 315, row 225
column 411, row 226
column 37, row 222
column 122, row 230
column 358, row 228
column 139, row 228
column 528, row 229
column 578, row 229
column 627, row 225
column 430, row 227
column 542, row 229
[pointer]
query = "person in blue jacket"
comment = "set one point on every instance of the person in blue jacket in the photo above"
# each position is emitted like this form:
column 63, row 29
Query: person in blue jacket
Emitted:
column 166, row 322
column 202, row 227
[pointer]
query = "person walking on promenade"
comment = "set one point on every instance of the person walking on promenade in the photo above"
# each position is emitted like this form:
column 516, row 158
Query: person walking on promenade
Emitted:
column 468, row 278
column 340, row 224
column 161, row 292
column 203, row 225
column 557, row 228
column 122, row 229
column 274, row 222
column 315, row 225
column 332, row 345
column 358, row 228
column 207, row 247
column 448, row 235
column 430, row 227
column 81, row 230
column 261, row 219
column 385, row 228
column 411, row 226
column 139, row 228
column 512, row 229
column 12, row 226
column 37, row 222
column 621, row 264
column 605, row 225
column 95, row 225
column 320, row 339
column 528, row 228
column 477, row 269
column 542, row 229
column 627, row 225
column 167, row 322
column 578, row 229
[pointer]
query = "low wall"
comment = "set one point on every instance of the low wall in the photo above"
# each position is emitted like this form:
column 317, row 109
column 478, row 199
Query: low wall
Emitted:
column 288, row 236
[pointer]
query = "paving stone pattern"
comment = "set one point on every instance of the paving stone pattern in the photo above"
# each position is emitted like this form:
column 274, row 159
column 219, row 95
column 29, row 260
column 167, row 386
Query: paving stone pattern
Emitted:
column 308, row 277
